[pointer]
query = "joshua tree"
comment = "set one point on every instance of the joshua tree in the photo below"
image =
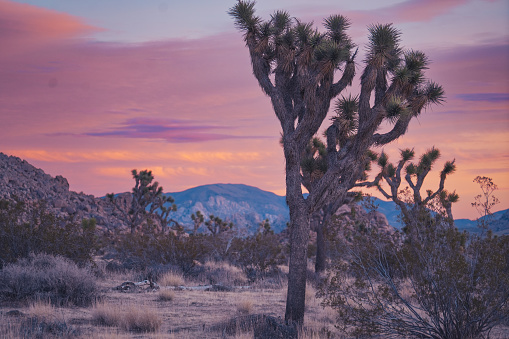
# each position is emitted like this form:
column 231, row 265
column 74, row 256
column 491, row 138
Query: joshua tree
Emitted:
column 295, row 65
column 145, row 199
column 198, row 220
column 217, row 225
column 415, row 175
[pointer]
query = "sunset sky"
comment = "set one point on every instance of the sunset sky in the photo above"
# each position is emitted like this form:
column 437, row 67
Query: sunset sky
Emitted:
column 93, row 89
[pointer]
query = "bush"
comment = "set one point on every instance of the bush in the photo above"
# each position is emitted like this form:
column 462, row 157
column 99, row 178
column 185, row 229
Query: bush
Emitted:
column 434, row 283
column 258, row 254
column 30, row 228
column 131, row 318
column 47, row 277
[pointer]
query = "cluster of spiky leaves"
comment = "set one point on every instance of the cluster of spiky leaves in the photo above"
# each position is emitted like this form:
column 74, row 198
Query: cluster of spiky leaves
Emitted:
column 287, row 43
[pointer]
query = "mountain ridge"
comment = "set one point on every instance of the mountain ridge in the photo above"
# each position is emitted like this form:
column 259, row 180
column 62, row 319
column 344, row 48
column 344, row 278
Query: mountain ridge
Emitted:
column 244, row 205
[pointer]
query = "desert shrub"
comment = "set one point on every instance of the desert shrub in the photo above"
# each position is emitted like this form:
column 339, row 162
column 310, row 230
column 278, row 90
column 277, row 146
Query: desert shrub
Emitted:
column 48, row 277
column 150, row 248
column 435, row 282
column 166, row 295
column 245, row 306
column 222, row 273
column 31, row 228
column 258, row 254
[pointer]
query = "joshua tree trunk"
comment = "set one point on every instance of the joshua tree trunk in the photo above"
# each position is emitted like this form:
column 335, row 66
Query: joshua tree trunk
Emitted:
column 321, row 254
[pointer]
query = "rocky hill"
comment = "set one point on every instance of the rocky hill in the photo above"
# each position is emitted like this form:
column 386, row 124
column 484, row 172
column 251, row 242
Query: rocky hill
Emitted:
column 21, row 181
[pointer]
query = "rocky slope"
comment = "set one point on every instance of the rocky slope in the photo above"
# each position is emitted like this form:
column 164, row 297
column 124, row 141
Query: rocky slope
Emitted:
column 21, row 181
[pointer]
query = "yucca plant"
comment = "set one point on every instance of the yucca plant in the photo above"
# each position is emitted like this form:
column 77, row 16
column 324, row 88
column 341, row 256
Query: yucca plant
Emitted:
column 303, row 70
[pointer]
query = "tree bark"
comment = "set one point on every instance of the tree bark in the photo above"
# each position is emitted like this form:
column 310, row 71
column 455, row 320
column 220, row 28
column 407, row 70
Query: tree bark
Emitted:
column 299, row 237
column 321, row 256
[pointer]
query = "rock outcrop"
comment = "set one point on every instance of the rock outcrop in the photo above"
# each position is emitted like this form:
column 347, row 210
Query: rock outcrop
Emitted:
column 21, row 181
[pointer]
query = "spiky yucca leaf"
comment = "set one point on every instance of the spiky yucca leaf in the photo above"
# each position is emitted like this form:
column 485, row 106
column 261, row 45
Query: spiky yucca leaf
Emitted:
column 304, row 33
column 407, row 154
column 395, row 109
column 383, row 46
column 411, row 169
column 244, row 15
column 331, row 52
column 434, row 93
column 371, row 155
column 281, row 21
column 416, row 61
column 307, row 165
column 346, row 109
column 428, row 158
column 449, row 168
column 336, row 26
column 382, row 160
column 391, row 170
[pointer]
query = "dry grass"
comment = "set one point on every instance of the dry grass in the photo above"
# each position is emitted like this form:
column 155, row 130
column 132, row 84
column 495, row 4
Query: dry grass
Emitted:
column 128, row 317
column 166, row 295
column 245, row 306
column 42, row 310
column 191, row 314
column 172, row 279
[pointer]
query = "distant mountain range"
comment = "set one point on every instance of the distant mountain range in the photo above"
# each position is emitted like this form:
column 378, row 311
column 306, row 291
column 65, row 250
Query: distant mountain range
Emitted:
column 246, row 206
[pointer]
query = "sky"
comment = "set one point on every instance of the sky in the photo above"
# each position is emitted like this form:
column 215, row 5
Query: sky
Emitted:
column 93, row 89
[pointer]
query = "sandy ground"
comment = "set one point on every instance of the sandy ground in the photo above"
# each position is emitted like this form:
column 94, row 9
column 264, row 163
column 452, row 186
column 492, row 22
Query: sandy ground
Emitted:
column 190, row 314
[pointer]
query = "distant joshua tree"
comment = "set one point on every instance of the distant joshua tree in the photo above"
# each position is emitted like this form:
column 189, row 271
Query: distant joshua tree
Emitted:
column 413, row 202
column 295, row 65
column 198, row 220
column 146, row 198
column 217, row 225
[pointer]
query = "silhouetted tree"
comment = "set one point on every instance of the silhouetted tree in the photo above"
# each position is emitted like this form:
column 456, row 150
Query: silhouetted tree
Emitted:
column 295, row 65
column 414, row 177
column 485, row 201
column 198, row 220
column 141, row 205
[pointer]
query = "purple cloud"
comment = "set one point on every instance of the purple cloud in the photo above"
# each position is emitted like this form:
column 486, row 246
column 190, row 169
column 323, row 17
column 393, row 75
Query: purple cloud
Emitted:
column 174, row 131
column 490, row 97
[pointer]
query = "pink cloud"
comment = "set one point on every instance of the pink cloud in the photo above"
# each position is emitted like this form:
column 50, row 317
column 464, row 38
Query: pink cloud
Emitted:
column 420, row 10
column 24, row 26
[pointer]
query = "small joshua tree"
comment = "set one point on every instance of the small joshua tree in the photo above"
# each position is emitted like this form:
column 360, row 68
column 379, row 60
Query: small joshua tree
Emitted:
column 198, row 220
column 146, row 198
column 414, row 177
column 217, row 225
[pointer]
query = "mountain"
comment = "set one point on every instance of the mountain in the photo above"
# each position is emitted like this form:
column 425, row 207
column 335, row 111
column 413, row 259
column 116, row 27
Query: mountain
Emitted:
column 499, row 223
column 245, row 206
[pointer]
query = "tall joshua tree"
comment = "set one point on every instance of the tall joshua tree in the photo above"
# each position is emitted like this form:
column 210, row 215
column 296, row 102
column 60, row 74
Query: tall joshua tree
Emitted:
column 296, row 66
